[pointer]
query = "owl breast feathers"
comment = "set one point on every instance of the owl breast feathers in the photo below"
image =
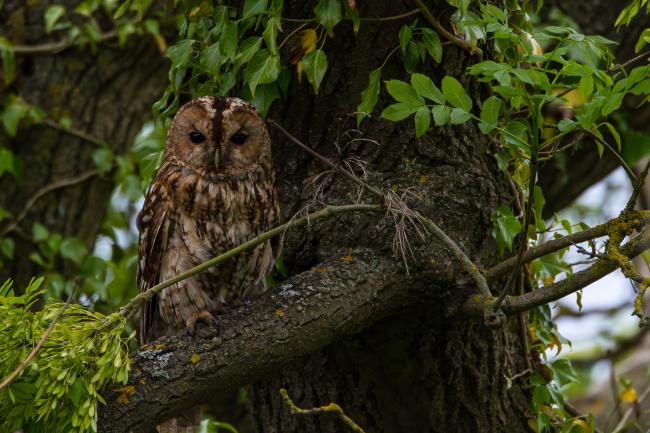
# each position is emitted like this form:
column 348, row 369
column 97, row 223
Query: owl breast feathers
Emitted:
column 215, row 189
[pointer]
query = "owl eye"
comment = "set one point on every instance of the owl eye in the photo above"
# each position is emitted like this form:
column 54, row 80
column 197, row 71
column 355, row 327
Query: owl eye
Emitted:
column 197, row 137
column 238, row 138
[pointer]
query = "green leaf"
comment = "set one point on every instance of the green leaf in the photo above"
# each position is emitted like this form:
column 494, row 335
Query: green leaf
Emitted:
column 265, row 94
column 263, row 68
column 103, row 159
column 490, row 114
column 247, row 50
column 328, row 14
column 8, row 61
column 7, row 161
column 615, row 134
column 399, row 111
column 7, row 248
column 12, row 116
column 52, row 15
column 180, row 54
column 254, row 7
column 422, row 121
column 228, row 41
column 315, row 64
column 270, row 34
column 441, row 114
column 73, row 249
column 455, row 93
column 405, row 35
column 39, row 232
column 563, row 372
column 586, row 85
column 369, row 96
column 612, row 103
column 122, row 9
column 211, row 60
column 432, row 43
column 506, row 227
column 458, row 116
column 404, row 92
column 424, row 87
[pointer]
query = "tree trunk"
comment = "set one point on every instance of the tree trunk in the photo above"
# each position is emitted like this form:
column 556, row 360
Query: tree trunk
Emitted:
column 422, row 370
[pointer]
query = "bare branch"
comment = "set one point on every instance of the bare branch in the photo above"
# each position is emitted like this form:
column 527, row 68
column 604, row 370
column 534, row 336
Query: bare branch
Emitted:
column 55, row 47
column 624, row 222
column 328, row 408
column 63, row 183
column 477, row 305
column 426, row 13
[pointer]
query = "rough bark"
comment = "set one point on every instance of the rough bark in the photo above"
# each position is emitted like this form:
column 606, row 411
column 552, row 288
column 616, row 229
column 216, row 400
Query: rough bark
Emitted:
column 107, row 94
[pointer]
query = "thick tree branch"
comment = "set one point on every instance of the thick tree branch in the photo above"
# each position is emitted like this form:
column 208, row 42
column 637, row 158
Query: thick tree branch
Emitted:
column 626, row 221
column 308, row 312
column 573, row 283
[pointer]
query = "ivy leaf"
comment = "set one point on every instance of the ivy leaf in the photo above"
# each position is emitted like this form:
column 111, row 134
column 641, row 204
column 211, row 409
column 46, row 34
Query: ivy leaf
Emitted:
column 369, row 96
column 263, row 68
column 180, row 54
column 315, row 64
column 441, row 114
column 269, row 34
column 563, row 372
column 505, row 228
column 52, row 15
column 328, row 14
column 254, row 7
column 455, row 93
column 12, row 115
column 424, row 87
column 612, row 103
column 422, row 121
column 103, row 159
column 228, row 40
column 247, row 50
column 211, row 60
column 39, row 232
column 458, row 116
column 490, row 114
column 404, row 92
column 7, row 161
column 399, row 111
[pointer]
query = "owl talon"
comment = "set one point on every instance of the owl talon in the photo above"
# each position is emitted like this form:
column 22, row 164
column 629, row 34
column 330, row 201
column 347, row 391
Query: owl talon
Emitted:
column 199, row 316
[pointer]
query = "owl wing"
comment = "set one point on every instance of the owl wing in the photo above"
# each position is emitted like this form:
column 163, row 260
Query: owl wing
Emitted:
column 154, row 224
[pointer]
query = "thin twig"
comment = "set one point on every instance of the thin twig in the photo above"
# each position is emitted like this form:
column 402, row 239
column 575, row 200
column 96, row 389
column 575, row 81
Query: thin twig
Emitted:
column 620, row 159
column 562, row 242
column 41, row 192
column 477, row 305
column 467, row 264
column 55, row 47
column 629, row 62
column 38, row 346
column 391, row 18
column 73, row 132
column 627, row 414
column 136, row 302
column 426, row 13
column 637, row 187
column 328, row 408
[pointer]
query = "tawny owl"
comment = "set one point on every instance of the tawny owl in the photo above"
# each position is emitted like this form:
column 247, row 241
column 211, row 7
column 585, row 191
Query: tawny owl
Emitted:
column 215, row 189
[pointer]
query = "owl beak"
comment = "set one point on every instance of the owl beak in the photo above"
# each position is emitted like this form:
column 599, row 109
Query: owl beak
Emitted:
column 216, row 158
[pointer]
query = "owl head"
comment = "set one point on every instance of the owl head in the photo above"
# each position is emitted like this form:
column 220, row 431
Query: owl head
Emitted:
column 218, row 134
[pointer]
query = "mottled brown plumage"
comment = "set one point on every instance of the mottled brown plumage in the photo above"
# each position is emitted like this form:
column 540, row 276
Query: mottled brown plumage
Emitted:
column 215, row 189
